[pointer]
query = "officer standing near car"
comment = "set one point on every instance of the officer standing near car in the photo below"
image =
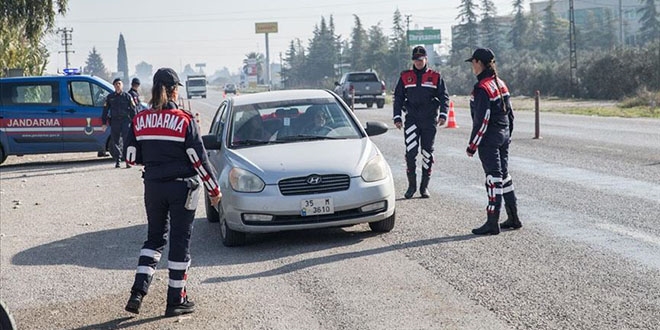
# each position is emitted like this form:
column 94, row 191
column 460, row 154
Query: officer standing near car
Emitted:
column 118, row 111
column 492, row 125
column 134, row 92
column 421, row 94
column 167, row 142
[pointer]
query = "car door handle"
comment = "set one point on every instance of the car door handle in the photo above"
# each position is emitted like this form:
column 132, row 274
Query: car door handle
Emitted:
column 70, row 110
column 52, row 110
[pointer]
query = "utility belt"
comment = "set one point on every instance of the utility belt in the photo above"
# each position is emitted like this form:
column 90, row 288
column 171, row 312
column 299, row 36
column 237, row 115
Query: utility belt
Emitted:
column 193, row 192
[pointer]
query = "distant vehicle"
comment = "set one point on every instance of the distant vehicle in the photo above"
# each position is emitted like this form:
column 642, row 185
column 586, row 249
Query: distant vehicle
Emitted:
column 277, row 171
column 365, row 87
column 52, row 114
column 230, row 89
column 196, row 86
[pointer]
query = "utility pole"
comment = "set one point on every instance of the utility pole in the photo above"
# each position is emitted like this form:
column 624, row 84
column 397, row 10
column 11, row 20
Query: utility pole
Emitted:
column 408, row 29
column 573, row 52
column 66, row 42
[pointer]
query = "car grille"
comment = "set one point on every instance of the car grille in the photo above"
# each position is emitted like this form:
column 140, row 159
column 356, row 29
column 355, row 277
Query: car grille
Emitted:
column 301, row 186
column 282, row 220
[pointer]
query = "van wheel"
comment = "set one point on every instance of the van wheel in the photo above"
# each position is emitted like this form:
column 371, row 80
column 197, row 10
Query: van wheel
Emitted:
column 384, row 225
column 370, row 104
column 3, row 156
column 229, row 236
column 380, row 104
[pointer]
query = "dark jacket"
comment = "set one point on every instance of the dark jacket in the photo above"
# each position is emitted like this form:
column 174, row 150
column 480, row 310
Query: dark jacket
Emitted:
column 490, row 109
column 118, row 107
column 135, row 95
column 167, row 142
column 421, row 94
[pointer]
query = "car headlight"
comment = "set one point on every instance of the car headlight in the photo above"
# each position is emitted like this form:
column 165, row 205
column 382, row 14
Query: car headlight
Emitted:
column 245, row 181
column 376, row 169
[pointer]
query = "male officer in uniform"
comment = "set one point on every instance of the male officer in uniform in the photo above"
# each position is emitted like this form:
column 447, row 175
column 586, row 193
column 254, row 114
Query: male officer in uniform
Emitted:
column 420, row 93
column 135, row 93
column 118, row 111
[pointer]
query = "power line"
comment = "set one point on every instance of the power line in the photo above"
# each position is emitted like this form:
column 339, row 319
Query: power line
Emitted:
column 66, row 42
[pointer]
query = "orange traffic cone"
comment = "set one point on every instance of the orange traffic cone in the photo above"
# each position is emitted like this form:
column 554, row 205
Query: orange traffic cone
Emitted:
column 451, row 121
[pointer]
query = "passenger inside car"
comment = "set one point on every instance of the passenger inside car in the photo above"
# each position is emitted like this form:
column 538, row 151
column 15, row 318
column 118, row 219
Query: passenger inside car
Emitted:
column 250, row 127
column 317, row 122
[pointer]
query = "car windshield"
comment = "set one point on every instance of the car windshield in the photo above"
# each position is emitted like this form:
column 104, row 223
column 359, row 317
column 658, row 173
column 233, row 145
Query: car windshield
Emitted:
column 291, row 121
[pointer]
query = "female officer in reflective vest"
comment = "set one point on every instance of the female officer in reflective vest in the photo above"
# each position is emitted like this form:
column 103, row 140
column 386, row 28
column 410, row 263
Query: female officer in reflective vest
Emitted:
column 166, row 141
column 492, row 125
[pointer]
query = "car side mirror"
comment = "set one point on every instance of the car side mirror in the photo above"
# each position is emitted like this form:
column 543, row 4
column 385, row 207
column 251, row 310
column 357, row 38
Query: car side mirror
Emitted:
column 336, row 83
column 376, row 128
column 212, row 142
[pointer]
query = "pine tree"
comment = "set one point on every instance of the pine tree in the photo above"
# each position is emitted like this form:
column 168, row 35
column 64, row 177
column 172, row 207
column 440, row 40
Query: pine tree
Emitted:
column 519, row 29
column 468, row 33
column 650, row 21
column 122, row 60
column 94, row 65
column 553, row 36
column 490, row 30
column 377, row 45
column 398, row 58
column 358, row 45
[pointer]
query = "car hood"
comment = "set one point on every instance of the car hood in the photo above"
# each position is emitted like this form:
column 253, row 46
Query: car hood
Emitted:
column 278, row 161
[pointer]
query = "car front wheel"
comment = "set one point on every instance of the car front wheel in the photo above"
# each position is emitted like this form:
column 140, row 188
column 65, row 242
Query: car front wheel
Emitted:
column 384, row 225
column 229, row 236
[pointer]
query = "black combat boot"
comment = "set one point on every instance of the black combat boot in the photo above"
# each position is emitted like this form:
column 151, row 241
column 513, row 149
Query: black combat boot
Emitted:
column 134, row 302
column 186, row 307
column 491, row 227
column 512, row 220
column 424, row 185
column 412, row 185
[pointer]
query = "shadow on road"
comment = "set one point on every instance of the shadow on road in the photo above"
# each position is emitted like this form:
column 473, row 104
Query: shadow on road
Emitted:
column 36, row 169
column 119, row 323
column 295, row 266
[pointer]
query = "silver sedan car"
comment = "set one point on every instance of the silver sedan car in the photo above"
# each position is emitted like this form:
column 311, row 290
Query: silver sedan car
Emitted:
column 296, row 159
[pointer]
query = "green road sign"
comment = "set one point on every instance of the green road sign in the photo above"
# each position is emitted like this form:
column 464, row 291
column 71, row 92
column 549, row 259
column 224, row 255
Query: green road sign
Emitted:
column 425, row 37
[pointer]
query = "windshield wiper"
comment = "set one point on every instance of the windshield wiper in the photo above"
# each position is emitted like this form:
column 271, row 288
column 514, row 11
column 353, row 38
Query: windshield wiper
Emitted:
column 250, row 142
column 305, row 137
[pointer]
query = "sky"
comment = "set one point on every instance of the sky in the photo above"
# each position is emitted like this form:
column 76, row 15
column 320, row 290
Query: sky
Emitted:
column 219, row 33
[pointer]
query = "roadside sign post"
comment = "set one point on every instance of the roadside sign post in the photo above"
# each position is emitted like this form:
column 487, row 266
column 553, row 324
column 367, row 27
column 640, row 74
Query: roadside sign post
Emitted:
column 266, row 28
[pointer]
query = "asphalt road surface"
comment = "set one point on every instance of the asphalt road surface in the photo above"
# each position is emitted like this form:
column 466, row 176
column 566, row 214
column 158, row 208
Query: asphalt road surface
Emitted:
column 588, row 256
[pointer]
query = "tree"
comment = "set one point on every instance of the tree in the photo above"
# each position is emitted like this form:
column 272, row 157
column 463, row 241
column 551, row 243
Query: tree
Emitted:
column 399, row 52
column 377, row 45
column 468, row 33
column 35, row 17
column 23, row 25
column 144, row 71
column 519, row 28
column 322, row 56
column 650, row 22
column 490, row 30
column 122, row 59
column 358, row 45
column 553, row 36
column 94, row 65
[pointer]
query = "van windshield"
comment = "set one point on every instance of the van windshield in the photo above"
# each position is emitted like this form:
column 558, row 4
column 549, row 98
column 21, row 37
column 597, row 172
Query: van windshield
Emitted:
column 197, row 82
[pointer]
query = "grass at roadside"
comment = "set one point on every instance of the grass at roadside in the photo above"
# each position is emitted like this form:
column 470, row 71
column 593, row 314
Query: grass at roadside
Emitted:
column 575, row 107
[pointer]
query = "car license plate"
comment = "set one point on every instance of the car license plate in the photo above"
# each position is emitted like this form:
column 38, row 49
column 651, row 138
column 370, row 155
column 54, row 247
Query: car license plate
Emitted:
column 316, row 206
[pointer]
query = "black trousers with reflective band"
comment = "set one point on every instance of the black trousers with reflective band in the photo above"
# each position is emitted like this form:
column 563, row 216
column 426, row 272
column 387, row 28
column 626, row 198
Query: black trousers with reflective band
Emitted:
column 166, row 213
column 419, row 133
column 494, row 155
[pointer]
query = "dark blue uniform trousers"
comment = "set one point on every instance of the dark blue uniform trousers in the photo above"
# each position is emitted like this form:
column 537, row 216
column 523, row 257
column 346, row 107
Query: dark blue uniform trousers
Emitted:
column 419, row 132
column 165, row 206
column 119, row 133
column 494, row 156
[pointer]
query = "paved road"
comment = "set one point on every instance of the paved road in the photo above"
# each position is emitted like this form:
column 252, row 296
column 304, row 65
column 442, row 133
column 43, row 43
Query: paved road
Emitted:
column 587, row 258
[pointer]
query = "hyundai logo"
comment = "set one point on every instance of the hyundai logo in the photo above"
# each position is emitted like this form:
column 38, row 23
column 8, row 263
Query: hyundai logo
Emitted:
column 314, row 179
